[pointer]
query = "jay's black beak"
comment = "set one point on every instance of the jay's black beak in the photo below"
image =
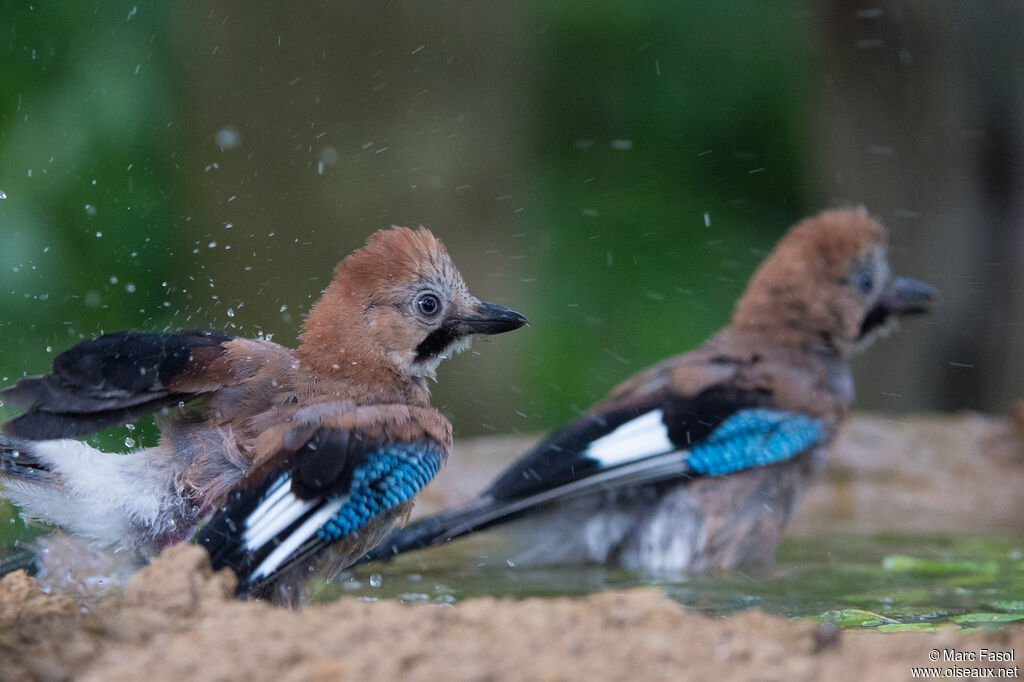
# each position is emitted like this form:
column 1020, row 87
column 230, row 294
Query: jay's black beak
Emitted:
column 489, row 318
column 903, row 296
column 906, row 296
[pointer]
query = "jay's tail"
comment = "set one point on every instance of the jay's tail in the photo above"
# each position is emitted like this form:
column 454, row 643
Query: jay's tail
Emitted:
column 18, row 461
column 435, row 530
column 487, row 511
column 17, row 560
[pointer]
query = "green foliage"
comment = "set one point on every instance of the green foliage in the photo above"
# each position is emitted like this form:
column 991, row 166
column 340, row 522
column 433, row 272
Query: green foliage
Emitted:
column 86, row 161
column 668, row 147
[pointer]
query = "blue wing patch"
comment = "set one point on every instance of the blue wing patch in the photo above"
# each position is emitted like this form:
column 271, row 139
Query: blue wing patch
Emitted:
column 388, row 478
column 281, row 528
column 754, row 437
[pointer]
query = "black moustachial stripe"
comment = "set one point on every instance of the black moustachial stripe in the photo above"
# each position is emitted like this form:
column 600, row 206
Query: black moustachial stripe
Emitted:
column 875, row 318
column 436, row 342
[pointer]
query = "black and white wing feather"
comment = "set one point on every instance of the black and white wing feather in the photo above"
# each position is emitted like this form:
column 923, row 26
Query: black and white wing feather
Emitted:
column 337, row 485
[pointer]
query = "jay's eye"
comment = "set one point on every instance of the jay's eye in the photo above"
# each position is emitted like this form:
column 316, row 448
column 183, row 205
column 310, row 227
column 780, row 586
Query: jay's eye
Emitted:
column 428, row 305
column 865, row 282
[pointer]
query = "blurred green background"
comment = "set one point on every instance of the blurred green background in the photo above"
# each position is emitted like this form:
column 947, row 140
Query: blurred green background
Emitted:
column 613, row 170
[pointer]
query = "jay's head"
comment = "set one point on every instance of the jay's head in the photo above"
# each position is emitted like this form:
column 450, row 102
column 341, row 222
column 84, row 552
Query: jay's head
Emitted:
column 829, row 279
column 399, row 302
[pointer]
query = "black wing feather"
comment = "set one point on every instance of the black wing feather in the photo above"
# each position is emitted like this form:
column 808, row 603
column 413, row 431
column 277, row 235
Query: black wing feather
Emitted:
column 559, row 459
column 109, row 380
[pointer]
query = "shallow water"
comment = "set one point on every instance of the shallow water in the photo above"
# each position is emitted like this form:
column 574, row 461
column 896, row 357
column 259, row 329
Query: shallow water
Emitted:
column 889, row 582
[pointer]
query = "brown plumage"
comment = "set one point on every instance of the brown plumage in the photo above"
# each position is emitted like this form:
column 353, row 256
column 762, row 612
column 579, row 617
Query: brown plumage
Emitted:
column 393, row 310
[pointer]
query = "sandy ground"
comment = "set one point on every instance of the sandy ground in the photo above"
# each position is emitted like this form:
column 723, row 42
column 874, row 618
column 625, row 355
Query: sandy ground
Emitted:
column 176, row 620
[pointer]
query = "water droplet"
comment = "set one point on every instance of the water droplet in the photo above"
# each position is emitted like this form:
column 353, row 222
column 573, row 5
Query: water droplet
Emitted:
column 376, row 580
column 90, row 211
column 227, row 137
column 129, row 442
column 231, row 312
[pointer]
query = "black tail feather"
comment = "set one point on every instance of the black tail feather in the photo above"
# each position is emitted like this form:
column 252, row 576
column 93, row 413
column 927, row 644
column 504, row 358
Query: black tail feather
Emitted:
column 18, row 461
column 221, row 536
column 19, row 559
column 435, row 530
column 486, row 511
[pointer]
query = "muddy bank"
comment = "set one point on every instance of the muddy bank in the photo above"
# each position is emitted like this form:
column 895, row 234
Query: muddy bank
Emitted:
column 176, row 621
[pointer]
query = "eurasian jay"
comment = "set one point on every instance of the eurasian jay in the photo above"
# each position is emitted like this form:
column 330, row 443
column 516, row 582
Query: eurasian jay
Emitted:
column 698, row 462
column 290, row 451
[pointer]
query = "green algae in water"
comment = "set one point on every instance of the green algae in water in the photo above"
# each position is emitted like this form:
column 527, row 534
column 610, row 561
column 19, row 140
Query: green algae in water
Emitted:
column 987, row 617
column 899, row 563
column 886, row 583
column 912, row 627
column 854, row 618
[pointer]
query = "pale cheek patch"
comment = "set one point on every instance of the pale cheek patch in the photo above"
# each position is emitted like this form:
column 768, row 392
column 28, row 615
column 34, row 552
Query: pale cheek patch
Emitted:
column 638, row 438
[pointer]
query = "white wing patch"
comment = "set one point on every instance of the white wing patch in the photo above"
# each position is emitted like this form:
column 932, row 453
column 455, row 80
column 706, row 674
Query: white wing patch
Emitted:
column 641, row 437
column 308, row 528
column 273, row 496
column 278, row 511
